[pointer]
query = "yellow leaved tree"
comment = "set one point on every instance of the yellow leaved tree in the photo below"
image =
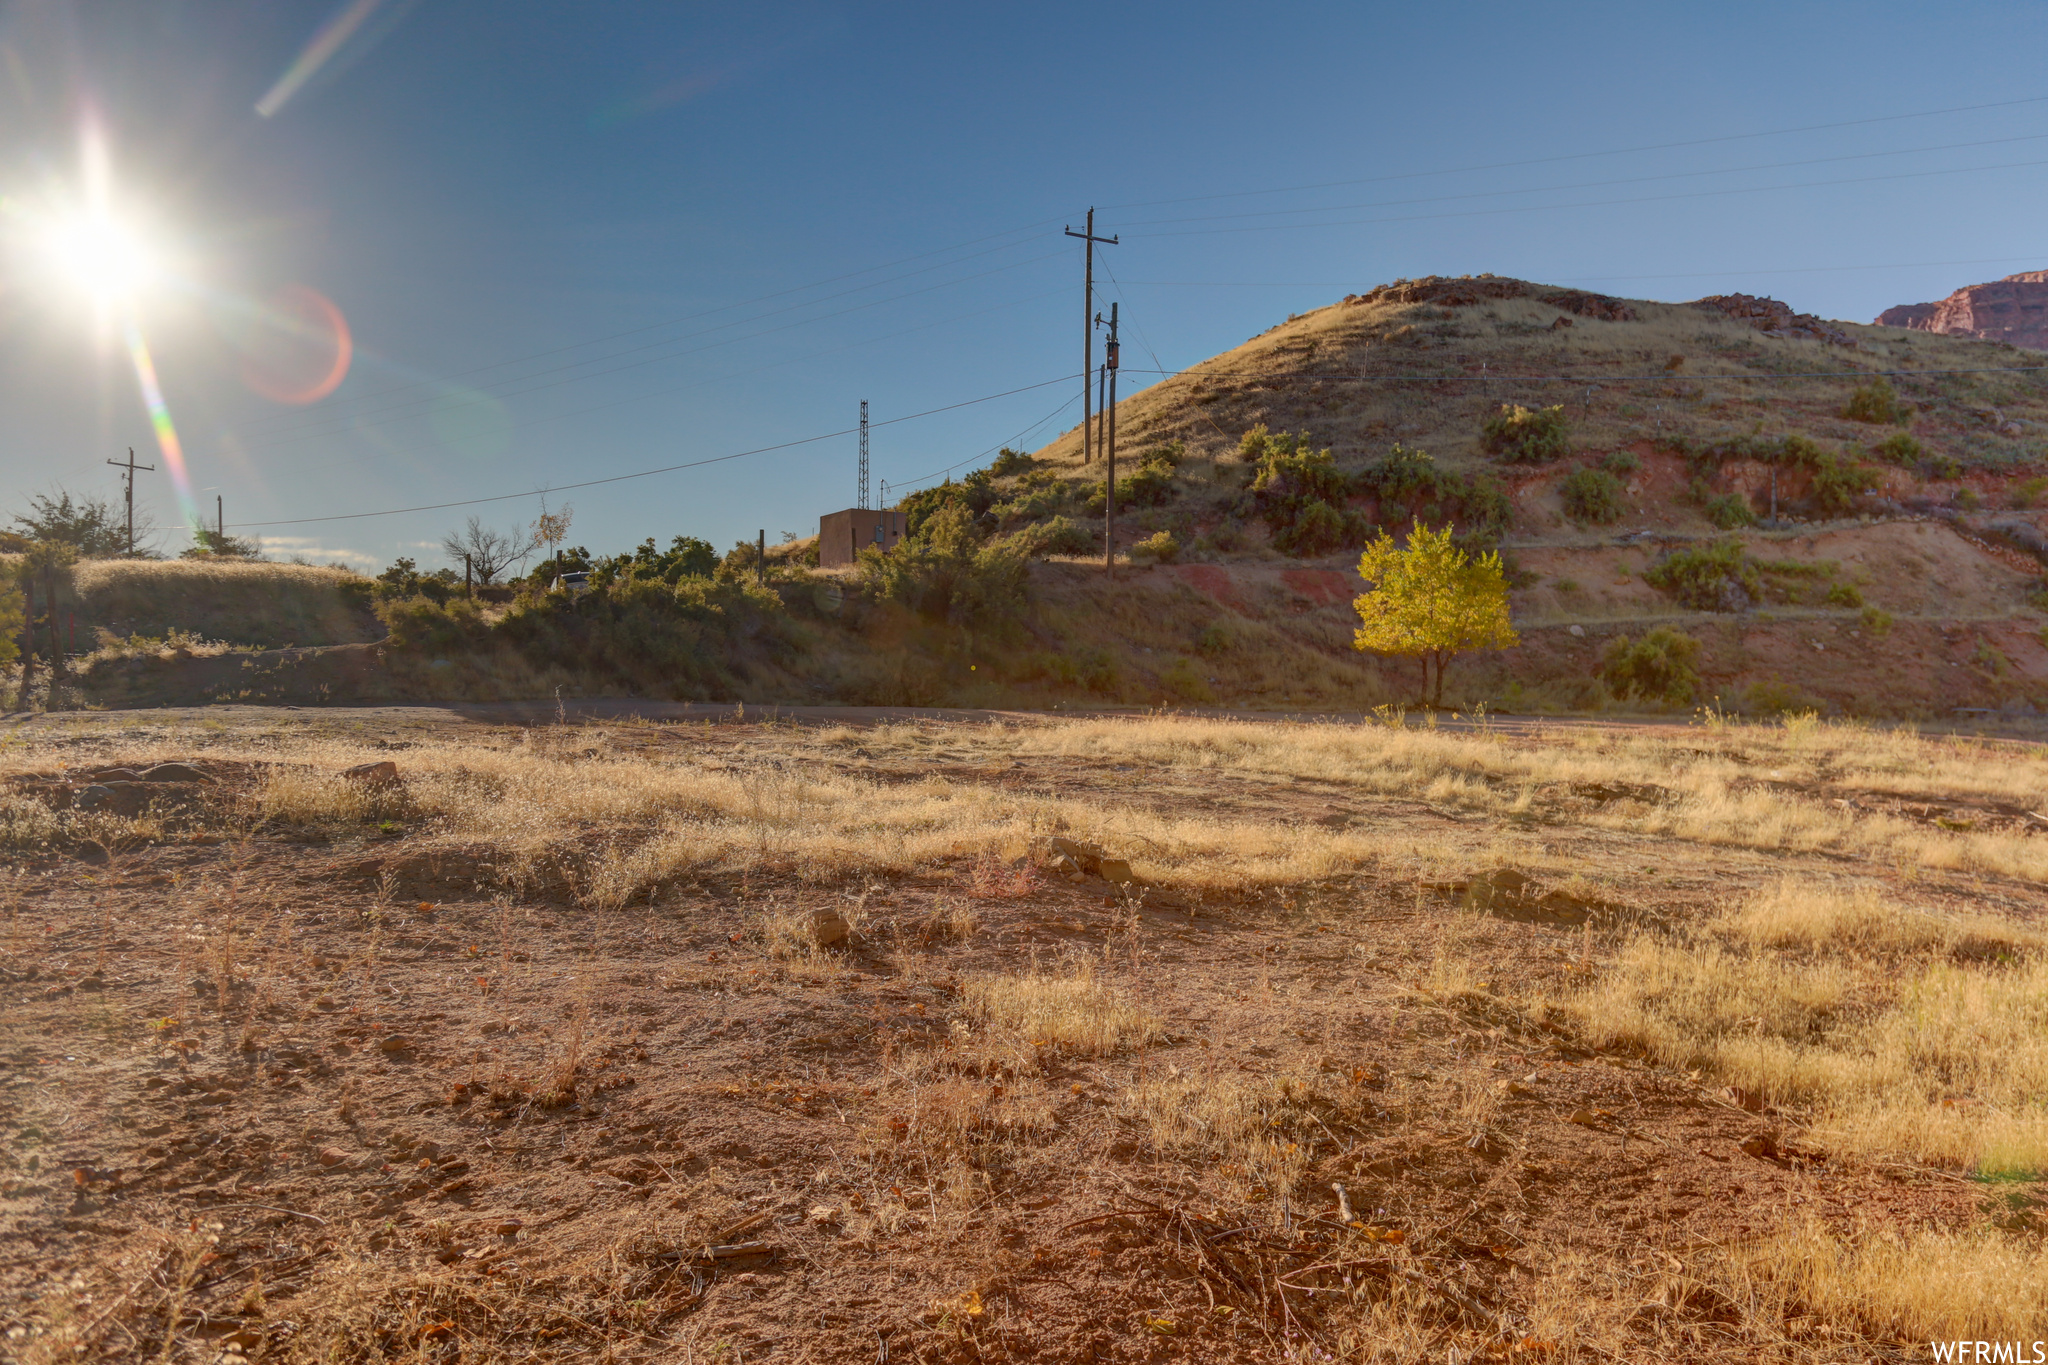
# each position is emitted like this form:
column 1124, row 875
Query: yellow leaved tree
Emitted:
column 1429, row 599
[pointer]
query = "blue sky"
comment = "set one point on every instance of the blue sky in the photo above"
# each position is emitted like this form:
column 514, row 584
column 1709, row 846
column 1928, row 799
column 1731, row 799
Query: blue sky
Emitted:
column 570, row 242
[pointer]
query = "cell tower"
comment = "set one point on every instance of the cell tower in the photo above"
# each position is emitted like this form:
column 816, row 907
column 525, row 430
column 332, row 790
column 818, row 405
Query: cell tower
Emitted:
column 863, row 455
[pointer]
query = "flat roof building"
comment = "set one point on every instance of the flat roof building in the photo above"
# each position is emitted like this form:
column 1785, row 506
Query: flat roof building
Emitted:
column 843, row 535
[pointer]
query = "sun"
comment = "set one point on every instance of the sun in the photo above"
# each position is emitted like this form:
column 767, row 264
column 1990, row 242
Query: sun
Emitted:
column 99, row 255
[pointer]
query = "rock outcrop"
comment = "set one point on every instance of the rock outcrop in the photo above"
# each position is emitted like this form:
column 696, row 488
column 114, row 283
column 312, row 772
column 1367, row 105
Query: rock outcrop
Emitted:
column 1467, row 290
column 2013, row 310
column 1774, row 319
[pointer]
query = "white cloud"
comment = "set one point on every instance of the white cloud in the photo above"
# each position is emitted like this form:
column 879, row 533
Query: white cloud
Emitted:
column 306, row 547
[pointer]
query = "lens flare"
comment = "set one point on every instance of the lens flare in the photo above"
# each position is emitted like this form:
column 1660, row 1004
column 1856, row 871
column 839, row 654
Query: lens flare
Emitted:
column 343, row 40
column 160, row 421
column 296, row 347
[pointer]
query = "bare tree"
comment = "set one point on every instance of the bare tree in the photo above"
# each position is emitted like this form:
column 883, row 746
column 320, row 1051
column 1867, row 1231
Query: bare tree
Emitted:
column 489, row 551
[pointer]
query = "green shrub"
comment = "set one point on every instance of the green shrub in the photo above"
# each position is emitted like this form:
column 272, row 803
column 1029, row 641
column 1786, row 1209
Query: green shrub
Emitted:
column 1410, row 485
column 403, row 580
column 1877, row 621
column 1844, row 595
column 1567, row 585
column 1317, row 529
column 1662, row 666
column 1527, row 435
column 1030, row 504
column 1215, row 641
column 1094, row 669
column 1150, row 486
column 1838, row 482
column 1592, row 496
column 1059, row 536
column 1621, row 462
column 1160, row 548
column 1730, row 512
column 946, row 574
column 1775, row 697
column 1186, row 682
column 1300, row 493
column 1941, row 466
column 1901, row 449
column 686, row 557
column 1877, row 402
column 1968, row 499
column 1695, row 575
column 687, row 642
column 1007, row 462
column 2027, row 492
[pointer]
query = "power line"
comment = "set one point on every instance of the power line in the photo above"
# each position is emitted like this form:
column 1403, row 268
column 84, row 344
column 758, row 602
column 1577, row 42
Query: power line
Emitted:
column 338, row 422
column 1589, row 184
column 1066, row 403
column 645, row 473
column 728, row 307
column 1598, row 203
column 1586, row 156
column 1594, row 279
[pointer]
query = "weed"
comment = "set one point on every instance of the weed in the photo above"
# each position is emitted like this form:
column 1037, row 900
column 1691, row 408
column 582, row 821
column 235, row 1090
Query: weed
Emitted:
column 1877, row 402
column 1527, row 435
column 1662, row 666
column 1877, row 621
column 1900, row 449
column 1076, row 1012
column 1730, row 512
column 1160, row 548
column 1698, row 575
column 1592, row 496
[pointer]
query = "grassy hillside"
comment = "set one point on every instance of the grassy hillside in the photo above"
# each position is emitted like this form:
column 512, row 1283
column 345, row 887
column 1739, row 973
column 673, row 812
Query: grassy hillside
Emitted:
column 1840, row 515
column 1426, row 363
column 227, row 601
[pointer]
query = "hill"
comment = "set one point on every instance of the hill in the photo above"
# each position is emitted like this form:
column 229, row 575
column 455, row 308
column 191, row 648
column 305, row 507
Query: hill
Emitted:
column 1840, row 514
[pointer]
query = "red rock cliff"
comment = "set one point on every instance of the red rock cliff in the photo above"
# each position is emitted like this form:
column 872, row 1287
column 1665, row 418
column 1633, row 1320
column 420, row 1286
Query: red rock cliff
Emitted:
column 2014, row 309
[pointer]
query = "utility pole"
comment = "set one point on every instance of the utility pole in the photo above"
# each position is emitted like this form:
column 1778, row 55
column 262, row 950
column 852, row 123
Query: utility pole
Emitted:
column 220, row 524
column 863, row 503
column 1089, row 239
column 25, row 697
column 56, row 640
column 761, row 555
column 1101, row 396
column 1109, row 449
column 129, row 480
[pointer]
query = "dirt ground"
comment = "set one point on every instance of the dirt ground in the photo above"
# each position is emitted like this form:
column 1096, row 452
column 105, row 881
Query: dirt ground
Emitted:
column 271, row 1096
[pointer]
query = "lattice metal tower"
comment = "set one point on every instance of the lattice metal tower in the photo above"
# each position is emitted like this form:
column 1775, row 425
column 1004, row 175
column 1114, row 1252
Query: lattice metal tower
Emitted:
column 863, row 454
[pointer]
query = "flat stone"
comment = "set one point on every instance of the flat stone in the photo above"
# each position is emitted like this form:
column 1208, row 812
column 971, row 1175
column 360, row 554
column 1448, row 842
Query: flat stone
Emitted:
column 372, row 774
column 172, row 772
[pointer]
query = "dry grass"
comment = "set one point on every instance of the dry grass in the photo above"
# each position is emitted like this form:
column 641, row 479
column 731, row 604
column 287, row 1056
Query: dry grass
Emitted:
column 1881, row 1024
column 1892, row 1030
column 243, row 603
column 1710, row 776
column 1917, row 1286
column 1075, row 1011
